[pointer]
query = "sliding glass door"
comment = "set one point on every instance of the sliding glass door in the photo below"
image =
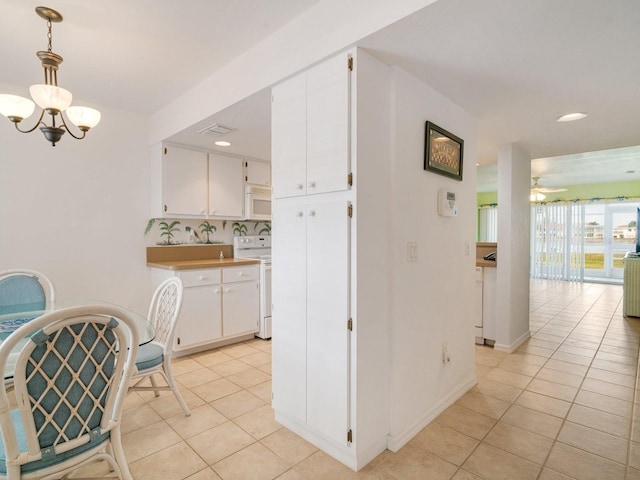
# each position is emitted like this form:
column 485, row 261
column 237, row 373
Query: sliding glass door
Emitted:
column 575, row 240
column 611, row 233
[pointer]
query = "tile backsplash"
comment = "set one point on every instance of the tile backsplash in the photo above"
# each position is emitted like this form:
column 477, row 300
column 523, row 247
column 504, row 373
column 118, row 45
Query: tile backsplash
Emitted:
column 183, row 231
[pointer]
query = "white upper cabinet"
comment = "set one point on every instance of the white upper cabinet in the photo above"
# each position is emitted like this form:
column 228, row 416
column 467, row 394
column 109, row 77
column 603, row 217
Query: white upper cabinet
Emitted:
column 184, row 182
column 257, row 173
column 328, row 126
column 225, row 187
column 310, row 128
column 289, row 137
column 192, row 183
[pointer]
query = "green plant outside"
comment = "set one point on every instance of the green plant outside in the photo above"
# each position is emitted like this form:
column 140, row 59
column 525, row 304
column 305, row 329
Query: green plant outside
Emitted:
column 592, row 261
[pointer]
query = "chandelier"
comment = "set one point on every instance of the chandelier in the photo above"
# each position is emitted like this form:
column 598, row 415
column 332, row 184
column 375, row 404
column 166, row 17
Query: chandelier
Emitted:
column 52, row 99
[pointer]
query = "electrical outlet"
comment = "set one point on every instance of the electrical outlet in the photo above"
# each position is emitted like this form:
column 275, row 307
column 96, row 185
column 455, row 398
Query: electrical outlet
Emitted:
column 446, row 356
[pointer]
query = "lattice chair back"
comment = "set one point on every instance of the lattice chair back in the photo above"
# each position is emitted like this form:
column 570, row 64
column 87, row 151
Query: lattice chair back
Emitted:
column 154, row 358
column 164, row 310
column 70, row 379
column 24, row 290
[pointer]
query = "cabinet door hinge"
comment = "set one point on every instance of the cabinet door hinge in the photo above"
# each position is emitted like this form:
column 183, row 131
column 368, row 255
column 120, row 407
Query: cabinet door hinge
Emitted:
column 350, row 325
column 165, row 150
column 350, row 179
column 178, row 341
column 350, row 63
column 350, row 211
column 349, row 436
column 246, row 178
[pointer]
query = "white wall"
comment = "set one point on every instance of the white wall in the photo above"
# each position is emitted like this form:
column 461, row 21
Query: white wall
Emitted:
column 433, row 297
column 77, row 211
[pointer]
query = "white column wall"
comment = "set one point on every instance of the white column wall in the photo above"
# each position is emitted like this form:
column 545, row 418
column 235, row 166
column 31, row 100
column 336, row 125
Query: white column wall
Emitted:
column 432, row 299
column 514, row 213
column 77, row 211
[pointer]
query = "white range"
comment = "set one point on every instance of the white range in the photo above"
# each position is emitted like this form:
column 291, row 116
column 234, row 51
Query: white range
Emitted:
column 259, row 247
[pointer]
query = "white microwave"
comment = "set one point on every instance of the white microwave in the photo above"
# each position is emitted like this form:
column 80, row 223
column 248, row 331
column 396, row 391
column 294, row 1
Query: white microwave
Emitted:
column 257, row 203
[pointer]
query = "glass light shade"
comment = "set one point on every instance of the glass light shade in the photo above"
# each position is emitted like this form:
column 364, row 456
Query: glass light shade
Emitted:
column 536, row 197
column 571, row 117
column 83, row 116
column 50, row 96
column 15, row 106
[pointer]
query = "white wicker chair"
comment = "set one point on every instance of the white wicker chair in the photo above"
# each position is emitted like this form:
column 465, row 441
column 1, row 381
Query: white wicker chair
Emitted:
column 70, row 379
column 155, row 357
column 23, row 290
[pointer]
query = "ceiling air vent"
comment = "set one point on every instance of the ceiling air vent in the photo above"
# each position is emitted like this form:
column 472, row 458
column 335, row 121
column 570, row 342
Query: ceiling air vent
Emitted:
column 217, row 130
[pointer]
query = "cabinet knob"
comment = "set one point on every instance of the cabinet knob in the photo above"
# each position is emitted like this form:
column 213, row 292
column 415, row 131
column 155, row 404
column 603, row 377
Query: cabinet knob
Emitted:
column 312, row 213
column 299, row 214
column 312, row 184
column 241, row 274
column 202, row 277
column 217, row 290
column 213, row 210
column 299, row 186
column 226, row 290
column 202, row 211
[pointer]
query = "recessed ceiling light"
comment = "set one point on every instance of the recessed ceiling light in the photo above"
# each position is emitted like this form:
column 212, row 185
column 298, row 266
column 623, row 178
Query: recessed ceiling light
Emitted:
column 570, row 117
column 222, row 143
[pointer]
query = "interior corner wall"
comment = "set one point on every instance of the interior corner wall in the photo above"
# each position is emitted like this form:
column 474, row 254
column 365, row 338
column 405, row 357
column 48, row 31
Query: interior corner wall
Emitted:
column 514, row 226
column 433, row 296
column 77, row 211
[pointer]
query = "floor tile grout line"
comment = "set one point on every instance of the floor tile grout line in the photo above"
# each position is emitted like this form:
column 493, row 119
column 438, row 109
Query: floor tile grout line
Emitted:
column 582, row 318
column 564, row 419
column 633, row 413
column 480, row 441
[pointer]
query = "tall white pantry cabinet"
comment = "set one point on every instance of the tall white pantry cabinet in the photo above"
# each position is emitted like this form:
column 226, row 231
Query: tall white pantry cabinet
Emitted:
column 330, row 365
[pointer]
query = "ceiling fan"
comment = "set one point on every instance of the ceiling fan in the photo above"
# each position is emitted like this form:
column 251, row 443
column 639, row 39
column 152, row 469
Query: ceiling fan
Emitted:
column 538, row 191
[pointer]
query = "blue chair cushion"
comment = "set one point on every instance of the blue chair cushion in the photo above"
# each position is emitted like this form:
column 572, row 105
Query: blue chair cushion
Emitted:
column 21, row 293
column 149, row 355
column 40, row 464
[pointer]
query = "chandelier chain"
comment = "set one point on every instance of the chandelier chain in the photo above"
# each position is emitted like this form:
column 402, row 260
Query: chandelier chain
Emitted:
column 49, row 36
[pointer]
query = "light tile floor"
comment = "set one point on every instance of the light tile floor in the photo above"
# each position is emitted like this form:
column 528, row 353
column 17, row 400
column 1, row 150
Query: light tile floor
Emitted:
column 562, row 406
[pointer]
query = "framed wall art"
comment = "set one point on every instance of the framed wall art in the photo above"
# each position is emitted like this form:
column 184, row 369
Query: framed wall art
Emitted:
column 443, row 152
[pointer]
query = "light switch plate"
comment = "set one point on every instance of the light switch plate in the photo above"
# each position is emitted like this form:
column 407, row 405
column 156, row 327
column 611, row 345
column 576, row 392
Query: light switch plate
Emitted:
column 412, row 251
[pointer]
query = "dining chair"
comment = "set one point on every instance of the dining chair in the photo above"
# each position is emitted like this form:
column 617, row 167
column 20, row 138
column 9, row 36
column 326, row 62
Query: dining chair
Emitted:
column 71, row 375
column 23, row 290
column 154, row 358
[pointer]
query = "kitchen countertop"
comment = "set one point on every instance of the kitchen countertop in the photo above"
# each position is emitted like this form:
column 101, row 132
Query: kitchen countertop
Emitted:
column 481, row 262
column 203, row 263
column 482, row 249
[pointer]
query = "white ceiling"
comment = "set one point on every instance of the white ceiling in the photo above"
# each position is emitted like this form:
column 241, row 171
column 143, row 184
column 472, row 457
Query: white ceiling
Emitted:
column 515, row 65
column 136, row 55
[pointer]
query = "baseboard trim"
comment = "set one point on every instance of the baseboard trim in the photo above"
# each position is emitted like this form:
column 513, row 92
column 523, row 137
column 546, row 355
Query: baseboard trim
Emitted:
column 396, row 442
column 513, row 346
column 347, row 455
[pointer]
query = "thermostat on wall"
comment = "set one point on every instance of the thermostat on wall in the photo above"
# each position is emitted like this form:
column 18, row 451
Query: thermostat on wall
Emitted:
column 447, row 204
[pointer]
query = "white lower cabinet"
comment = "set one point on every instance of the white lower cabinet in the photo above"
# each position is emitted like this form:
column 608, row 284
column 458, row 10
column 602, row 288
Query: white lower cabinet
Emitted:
column 200, row 319
column 240, row 300
column 311, row 313
column 219, row 304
